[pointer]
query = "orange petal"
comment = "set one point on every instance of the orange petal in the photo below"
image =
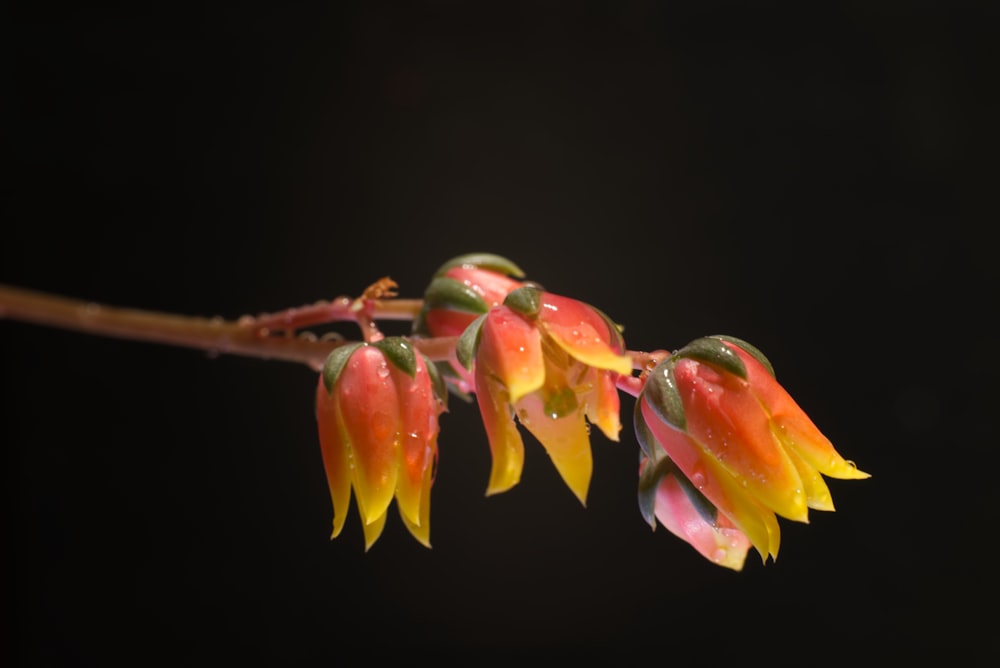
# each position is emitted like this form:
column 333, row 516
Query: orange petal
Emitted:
column 725, row 418
column 511, row 348
column 506, row 446
column 333, row 447
column 793, row 426
column 565, row 439
column 419, row 409
column 582, row 333
column 369, row 411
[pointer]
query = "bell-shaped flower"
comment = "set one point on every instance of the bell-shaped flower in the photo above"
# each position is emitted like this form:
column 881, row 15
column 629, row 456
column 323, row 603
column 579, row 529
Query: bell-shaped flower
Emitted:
column 461, row 290
column 377, row 408
column 552, row 362
column 716, row 426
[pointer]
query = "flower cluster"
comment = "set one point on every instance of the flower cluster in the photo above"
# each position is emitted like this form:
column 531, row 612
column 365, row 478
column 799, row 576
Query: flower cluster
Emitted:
column 724, row 449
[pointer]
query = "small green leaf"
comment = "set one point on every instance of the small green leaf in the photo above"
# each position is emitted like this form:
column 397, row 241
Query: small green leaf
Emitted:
column 661, row 392
column 447, row 293
column 752, row 350
column 400, row 352
column 468, row 342
column 642, row 432
column 437, row 381
column 649, row 480
column 526, row 300
column 488, row 261
column 713, row 351
column 700, row 502
column 335, row 362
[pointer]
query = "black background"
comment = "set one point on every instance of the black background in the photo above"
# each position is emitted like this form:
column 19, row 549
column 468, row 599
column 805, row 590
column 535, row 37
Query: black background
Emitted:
column 819, row 183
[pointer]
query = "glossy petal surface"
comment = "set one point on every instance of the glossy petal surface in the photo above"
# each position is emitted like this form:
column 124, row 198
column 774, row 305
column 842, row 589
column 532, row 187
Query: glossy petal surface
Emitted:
column 506, row 446
column 334, row 448
column 510, row 348
column 418, row 438
column 793, row 426
column 583, row 333
column 725, row 418
column 718, row 485
column 369, row 411
column 721, row 543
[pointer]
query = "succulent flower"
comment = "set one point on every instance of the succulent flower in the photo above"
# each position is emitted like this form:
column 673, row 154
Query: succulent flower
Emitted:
column 715, row 425
column 377, row 408
column 550, row 361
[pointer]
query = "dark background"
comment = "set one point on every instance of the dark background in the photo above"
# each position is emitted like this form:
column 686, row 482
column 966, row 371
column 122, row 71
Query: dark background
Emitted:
column 819, row 183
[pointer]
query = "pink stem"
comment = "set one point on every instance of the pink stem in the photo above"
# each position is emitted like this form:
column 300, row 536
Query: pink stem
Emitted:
column 248, row 336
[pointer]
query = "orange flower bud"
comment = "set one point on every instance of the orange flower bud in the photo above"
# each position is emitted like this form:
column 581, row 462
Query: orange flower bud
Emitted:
column 377, row 410
column 715, row 410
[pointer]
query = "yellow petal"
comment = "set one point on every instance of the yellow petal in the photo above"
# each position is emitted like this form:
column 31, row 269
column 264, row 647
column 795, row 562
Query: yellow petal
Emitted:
column 817, row 493
column 799, row 433
column 373, row 530
column 422, row 530
column 565, row 439
column 333, row 447
column 506, row 446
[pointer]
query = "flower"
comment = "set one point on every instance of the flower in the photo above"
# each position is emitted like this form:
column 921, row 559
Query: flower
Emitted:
column 377, row 408
column 725, row 450
column 552, row 362
column 461, row 290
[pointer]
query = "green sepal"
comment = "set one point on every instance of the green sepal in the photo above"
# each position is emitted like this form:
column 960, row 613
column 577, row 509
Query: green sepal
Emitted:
column 525, row 300
column 447, row 293
column 661, row 392
column 400, row 352
column 489, row 261
column 750, row 349
column 468, row 342
column 705, row 508
column 335, row 362
column 713, row 351
column 643, row 434
column 649, row 481
column 437, row 381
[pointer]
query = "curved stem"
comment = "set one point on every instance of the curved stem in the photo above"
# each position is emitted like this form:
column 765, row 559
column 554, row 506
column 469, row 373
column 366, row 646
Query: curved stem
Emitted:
column 249, row 336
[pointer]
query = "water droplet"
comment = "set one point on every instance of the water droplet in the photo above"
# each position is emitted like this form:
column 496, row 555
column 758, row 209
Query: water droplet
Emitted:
column 698, row 480
column 719, row 555
column 383, row 371
column 851, row 463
